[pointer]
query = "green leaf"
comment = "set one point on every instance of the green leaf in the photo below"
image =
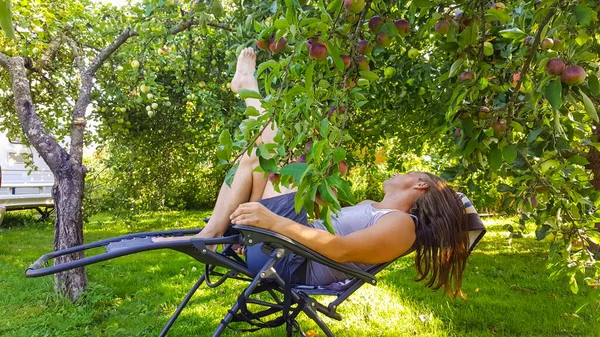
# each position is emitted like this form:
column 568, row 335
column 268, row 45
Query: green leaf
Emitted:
column 281, row 24
column 268, row 165
column 594, row 85
column 231, row 174
column 225, row 138
column 579, row 160
column 251, row 111
column 369, row 75
column 335, row 56
column 495, row 159
column 583, row 14
column 308, row 77
column 456, row 67
column 512, row 33
column 573, row 284
column 509, row 153
column 494, row 14
column 334, row 5
column 324, row 127
column 589, row 106
column 296, row 170
column 263, row 151
column 268, row 64
column 216, row 8
column 339, row 154
column 246, row 93
column 6, row 19
column 554, row 94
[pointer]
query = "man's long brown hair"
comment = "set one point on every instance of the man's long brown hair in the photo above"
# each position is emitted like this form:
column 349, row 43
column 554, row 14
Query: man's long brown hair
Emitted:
column 442, row 240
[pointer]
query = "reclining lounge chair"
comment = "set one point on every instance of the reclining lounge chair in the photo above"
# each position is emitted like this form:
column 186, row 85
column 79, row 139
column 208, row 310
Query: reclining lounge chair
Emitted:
column 287, row 300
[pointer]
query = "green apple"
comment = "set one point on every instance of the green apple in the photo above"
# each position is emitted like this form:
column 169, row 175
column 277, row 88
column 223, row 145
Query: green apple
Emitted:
column 412, row 53
column 150, row 96
column 213, row 62
column 154, row 106
column 389, row 72
column 120, row 68
column 135, row 64
column 201, row 84
column 203, row 69
column 488, row 49
column 144, row 88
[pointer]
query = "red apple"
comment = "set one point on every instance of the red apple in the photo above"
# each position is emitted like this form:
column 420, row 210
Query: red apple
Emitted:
column 340, row 110
column 458, row 132
column 262, row 44
column 343, row 168
column 362, row 63
column 383, row 40
column 442, row 27
column 274, row 177
column 319, row 200
column 467, row 76
column 317, row 52
column 555, row 66
column 364, row 47
column 403, row 27
column 308, row 146
column 499, row 6
column 558, row 45
column 279, row 46
column 354, row 6
column 547, row 43
column 347, row 60
column 302, row 158
column 529, row 40
column 374, row 23
column 573, row 75
column 500, row 126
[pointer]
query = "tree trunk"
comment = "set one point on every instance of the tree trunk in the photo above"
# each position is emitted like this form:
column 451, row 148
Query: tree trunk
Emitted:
column 68, row 229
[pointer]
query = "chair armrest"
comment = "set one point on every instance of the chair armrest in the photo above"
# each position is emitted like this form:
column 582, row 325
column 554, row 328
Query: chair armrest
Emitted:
column 254, row 235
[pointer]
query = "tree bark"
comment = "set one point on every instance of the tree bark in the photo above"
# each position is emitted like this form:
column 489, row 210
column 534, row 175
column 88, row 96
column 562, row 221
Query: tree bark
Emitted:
column 67, row 168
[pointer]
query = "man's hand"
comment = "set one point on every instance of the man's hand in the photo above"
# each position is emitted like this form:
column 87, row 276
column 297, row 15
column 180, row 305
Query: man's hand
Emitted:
column 254, row 214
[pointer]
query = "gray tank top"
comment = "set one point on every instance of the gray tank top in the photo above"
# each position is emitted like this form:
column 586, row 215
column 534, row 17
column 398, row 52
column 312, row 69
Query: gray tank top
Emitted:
column 348, row 220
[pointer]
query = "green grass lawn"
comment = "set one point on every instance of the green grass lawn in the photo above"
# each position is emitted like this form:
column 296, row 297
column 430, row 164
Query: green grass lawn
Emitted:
column 508, row 291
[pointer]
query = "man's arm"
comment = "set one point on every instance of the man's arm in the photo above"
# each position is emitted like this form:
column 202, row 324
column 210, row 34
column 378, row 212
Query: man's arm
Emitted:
column 391, row 236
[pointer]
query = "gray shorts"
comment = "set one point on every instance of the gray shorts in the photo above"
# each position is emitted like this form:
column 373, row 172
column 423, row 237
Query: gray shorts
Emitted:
column 291, row 268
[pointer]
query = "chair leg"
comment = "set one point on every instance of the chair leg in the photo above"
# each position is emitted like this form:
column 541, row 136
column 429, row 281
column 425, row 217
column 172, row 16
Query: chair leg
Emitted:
column 310, row 312
column 229, row 317
column 181, row 306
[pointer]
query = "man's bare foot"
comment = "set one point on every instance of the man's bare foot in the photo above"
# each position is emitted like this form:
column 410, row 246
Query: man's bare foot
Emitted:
column 244, row 71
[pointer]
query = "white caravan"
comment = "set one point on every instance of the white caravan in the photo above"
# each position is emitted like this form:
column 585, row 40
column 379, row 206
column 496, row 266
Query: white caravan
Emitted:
column 23, row 187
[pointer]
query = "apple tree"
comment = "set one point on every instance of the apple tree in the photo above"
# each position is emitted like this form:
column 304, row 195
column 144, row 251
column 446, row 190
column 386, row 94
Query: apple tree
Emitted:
column 502, row 92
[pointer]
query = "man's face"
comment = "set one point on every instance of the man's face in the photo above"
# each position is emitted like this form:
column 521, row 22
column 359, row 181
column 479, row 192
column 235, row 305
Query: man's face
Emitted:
column 403, row 181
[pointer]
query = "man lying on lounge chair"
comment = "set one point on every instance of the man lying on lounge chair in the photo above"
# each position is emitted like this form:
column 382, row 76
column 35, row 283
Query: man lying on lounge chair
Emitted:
column 419, row 211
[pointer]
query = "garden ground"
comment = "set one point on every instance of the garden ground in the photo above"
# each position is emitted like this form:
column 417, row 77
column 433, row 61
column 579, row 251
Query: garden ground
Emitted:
column 507, row 287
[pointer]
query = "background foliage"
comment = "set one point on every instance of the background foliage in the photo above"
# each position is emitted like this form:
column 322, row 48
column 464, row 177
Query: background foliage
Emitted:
column 475, row 104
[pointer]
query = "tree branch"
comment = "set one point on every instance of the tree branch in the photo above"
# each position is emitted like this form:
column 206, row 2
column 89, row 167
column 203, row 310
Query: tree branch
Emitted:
column 4, row 60
column 30, row 122
column 111, row 48
column 76, row 56
column 532, row 52
column 85, row 90
column 185, row 24
column 47, row 56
